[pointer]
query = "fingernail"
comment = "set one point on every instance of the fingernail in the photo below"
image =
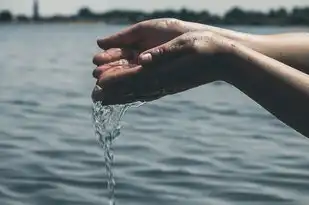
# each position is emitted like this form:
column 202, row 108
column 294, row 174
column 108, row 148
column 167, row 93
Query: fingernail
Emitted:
column 145, row 58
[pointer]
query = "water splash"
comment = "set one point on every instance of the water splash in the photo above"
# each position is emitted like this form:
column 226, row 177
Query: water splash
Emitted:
column 106, row 120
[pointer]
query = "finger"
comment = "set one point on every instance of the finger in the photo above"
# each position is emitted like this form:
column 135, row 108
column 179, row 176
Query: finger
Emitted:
column 116, row 94
column 117, row 66
column 175, row 48
column 118, row 74
column 114, row 97
column 125, row 38
column 114, row 54
column 116, row 83
column 102, row 68
column 128, row 88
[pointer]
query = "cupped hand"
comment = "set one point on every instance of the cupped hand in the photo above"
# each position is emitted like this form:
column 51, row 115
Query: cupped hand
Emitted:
column 189, row 60
column 130, row 42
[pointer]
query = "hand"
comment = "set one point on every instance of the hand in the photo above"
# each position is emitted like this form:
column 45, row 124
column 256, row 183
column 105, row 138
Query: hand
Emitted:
column 185, row 62
column 140, row 37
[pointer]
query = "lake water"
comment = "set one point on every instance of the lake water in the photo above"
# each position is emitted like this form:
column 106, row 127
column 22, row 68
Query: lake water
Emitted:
column 209, row 146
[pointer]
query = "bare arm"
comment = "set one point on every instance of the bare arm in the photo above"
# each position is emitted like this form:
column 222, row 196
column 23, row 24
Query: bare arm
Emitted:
column 271, row 69
column 290, row 48
column 281, row 89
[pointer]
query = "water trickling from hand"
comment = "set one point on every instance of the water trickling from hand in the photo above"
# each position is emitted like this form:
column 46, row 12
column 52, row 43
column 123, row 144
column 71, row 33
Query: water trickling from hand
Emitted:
column 106, row 120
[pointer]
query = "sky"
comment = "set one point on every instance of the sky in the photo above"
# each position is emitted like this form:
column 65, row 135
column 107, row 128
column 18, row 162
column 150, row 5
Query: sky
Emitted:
column 51, row 7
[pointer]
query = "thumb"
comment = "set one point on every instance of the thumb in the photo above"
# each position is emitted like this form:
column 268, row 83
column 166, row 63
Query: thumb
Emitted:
column 175, row 48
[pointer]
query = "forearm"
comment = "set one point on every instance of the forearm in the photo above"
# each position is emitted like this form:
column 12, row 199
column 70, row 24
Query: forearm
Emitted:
column 282, row 90
column 291, row 49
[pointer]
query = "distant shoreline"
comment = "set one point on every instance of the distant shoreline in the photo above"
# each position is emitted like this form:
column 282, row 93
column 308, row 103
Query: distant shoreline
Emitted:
column 235, row 16
column 125, row 24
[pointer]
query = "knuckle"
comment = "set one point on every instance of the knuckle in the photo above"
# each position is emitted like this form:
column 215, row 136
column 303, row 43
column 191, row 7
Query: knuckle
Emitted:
column 168, row 19
column 202, row 40
column 210, row 37
column 161, row 50
column 171, row 21
column 186, row 42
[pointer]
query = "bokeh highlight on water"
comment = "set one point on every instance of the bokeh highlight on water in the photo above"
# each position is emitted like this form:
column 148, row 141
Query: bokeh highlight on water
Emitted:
column 210, row 145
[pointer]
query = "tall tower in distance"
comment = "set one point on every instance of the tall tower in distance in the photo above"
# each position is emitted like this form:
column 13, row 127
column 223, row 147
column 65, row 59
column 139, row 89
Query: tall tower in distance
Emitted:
column 36, row 14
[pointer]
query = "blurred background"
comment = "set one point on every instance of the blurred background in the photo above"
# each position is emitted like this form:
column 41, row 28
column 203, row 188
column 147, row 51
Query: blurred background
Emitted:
column 210, row 145
column 284, row 12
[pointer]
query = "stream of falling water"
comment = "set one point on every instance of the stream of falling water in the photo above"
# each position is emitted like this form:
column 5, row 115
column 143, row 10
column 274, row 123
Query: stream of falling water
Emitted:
column 106, row 120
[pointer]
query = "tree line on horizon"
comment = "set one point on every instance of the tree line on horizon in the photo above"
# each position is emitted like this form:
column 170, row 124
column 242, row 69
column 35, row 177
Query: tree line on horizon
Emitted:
column 234, row 16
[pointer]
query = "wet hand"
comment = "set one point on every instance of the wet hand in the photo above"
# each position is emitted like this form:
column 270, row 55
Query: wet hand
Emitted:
column 185, row 62
column 140, row 37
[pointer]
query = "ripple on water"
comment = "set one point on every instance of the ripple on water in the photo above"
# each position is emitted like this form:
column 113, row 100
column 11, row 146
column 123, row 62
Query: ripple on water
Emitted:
column 19, row 102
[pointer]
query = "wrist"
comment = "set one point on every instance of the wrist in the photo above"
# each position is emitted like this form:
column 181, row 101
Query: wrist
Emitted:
column 226, row 59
